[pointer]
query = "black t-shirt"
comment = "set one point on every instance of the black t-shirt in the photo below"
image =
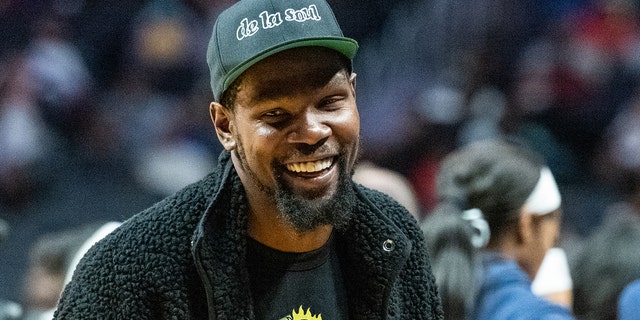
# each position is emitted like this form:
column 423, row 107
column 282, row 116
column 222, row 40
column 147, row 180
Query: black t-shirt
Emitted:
column 296, row 286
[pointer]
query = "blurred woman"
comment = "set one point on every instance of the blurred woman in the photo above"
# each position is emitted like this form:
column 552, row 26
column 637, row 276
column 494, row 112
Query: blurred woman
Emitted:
column 499, row 214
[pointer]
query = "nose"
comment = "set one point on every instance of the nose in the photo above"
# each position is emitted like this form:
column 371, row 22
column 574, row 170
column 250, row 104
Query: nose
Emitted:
column 310, row 129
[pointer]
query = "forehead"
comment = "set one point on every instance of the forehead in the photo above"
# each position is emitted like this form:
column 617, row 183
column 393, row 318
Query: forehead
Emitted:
column 295, row 71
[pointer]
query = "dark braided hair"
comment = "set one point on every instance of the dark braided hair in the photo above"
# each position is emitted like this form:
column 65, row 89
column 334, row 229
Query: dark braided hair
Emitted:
column 494, row 176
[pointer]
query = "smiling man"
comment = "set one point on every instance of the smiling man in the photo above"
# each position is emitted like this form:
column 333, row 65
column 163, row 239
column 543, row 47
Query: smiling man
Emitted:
column 279, row 230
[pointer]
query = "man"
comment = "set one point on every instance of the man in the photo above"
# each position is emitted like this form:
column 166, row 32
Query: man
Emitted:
column 279, row 231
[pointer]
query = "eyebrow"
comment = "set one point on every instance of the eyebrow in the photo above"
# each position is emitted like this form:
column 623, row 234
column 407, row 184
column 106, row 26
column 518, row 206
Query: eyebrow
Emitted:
column 273, row 90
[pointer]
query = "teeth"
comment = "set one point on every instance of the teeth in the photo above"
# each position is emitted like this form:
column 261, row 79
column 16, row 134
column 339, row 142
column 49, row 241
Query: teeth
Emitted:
column 312, row 166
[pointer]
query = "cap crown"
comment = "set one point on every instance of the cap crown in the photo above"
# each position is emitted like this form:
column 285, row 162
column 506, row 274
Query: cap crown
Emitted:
column 252, row 30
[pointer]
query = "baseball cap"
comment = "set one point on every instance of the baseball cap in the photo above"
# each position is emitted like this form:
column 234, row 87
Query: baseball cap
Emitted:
column 252, row 30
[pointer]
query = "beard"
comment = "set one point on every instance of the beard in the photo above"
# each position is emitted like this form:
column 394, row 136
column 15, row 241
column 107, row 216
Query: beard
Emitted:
column 307, row 212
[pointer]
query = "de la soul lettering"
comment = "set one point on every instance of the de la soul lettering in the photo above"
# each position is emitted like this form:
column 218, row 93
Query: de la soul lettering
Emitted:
column 271, row 20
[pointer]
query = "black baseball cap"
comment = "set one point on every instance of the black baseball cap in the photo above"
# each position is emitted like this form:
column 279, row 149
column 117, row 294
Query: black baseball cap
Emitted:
column 252, row 30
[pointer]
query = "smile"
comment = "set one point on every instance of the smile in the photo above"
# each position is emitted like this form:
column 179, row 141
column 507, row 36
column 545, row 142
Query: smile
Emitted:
column 310, row 166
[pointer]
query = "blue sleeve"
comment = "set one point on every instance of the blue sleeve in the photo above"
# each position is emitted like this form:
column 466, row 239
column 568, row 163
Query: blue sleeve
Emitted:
column 629, row 303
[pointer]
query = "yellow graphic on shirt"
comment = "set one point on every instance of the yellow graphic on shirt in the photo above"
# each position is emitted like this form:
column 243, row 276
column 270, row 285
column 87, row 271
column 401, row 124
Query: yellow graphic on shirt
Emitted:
column 302, row 315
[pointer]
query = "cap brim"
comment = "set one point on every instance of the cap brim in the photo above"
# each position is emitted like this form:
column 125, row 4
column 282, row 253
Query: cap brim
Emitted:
column 346, row 46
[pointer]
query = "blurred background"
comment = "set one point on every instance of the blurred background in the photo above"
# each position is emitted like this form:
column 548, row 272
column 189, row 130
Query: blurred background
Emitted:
column 104, row 107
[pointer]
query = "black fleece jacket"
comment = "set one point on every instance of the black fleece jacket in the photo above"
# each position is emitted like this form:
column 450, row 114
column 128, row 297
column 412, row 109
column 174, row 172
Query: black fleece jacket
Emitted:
column 184, row 258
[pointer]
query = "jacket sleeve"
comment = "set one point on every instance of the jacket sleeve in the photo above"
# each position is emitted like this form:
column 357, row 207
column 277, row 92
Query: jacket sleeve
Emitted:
column 119, row 276
column 102, row 287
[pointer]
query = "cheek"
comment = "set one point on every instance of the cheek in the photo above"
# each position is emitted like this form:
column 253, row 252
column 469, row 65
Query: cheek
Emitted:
column 551, row 232
column 263, row 132
column 347, row 126
column 347, row 132
column 546, row 239
column 261, row 148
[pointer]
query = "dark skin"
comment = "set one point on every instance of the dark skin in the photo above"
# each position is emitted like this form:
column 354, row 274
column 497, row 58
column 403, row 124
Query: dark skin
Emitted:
column 294, row 116
column 529, row 239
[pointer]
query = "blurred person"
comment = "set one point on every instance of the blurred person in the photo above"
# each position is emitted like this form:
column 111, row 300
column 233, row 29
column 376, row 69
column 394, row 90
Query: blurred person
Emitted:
column 24, row 136
column 144, row 118
column 618, row 163
column 279, row 230
column 166, row 42
column 426, row 44
column 532, row 117
column 446, row 59
column 167, row 39
column 483, row 118
column 603, row 33
column 607, row 259
column 151, row 133
column 629, row 302
column 52, row 259
column 606, row 262
column 62, row 82
column 390, row 182
column 10, row 310
column 589, row 69
column 499, row 214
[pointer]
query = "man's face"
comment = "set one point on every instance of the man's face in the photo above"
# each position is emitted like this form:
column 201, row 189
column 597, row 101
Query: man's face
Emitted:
column 295, row 133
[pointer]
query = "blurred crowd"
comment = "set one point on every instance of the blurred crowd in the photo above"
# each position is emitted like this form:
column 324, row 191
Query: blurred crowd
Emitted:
column 105, row 103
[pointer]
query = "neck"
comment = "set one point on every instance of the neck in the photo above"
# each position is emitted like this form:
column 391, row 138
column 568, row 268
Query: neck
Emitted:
column 266, row 226
column 510, row 249
column 272, row 231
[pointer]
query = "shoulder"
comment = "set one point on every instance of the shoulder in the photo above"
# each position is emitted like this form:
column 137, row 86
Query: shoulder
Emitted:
column 148, row 256
column 628, row 305
column 170, row 217
column 506, row 294
column 153, row 239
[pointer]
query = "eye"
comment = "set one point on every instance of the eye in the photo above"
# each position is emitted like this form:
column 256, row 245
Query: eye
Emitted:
column 275, row 116
column 331, row 103
column 273, row 113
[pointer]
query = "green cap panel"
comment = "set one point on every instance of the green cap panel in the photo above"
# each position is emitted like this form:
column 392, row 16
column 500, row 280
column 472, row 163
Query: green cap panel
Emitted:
column 252, row 30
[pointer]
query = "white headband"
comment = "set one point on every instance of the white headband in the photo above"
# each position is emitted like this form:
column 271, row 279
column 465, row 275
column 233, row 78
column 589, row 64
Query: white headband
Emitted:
column 545, row 197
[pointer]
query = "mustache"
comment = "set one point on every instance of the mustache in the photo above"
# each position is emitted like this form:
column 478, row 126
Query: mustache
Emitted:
column 319, row 151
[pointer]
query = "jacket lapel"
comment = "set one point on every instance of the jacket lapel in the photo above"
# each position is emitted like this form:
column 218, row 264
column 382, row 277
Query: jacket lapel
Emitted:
column 372, row 253
column 220, row 251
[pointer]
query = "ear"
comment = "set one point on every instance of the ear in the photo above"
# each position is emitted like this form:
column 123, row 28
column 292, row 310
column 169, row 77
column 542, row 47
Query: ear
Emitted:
column 222, row 119
column 352, row 81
